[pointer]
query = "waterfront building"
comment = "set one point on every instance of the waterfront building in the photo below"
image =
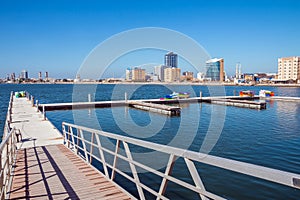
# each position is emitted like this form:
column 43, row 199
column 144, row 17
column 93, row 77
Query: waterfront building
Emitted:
column 159, row 71
column 215, row 69
column 46, row 76
column 128, row 74
column 188, row 76
column 172, row 74
column 13, row 77
column 138, row 74
column 171, row 60
column 24, row 75
column 135, row 74
column 40, row 76
column 200, row 76
column 289, row 68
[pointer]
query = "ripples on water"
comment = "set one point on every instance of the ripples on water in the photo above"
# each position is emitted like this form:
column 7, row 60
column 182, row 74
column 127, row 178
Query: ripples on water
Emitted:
column 268, row 137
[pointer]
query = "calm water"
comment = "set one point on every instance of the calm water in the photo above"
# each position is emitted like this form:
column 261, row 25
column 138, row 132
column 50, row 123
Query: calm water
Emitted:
column 268, row 137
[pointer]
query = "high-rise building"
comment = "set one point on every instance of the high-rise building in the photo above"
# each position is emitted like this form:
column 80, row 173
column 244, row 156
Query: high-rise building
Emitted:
column 172, row 74
column 289, row 68
column 13, row 76
column 238, row 71
column 171, row 60
column 215, row 69
column 136, row 74
column 40, row 75
column 159, row 71
column 24, row 74
column 128, row 74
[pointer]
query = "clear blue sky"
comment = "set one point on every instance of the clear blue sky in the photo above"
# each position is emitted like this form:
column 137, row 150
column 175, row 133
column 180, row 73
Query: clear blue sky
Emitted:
column 57, row 35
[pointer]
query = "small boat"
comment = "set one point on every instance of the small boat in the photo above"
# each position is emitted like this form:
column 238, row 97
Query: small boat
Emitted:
column 178, row 95
column 266, row 93
column 20, row 94
column 247, row 93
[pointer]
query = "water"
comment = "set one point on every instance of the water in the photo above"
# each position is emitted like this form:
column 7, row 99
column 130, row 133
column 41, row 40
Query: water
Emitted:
column 268, row 137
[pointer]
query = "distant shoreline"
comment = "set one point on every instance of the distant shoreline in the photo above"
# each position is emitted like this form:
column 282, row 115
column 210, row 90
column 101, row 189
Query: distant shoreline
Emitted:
column 156, row 83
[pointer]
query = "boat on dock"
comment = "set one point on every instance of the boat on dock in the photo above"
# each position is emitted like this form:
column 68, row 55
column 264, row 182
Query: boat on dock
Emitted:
column 177, row 95
column 266, row 93
column 247, row 93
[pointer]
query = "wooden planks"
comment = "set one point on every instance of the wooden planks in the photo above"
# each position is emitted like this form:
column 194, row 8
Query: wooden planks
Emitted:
column 54, row 172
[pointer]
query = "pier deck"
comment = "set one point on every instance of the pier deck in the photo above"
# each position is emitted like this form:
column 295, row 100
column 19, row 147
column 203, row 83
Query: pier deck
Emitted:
column 35, row 130
column 46, row 169
column 54, row 172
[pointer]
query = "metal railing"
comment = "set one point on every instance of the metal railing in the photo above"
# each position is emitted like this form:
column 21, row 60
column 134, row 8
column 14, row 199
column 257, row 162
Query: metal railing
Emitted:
column 84, row 140
column 8, row 148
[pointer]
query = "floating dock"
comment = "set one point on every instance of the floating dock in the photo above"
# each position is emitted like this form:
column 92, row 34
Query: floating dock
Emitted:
column 158, row 108
column 245, row 102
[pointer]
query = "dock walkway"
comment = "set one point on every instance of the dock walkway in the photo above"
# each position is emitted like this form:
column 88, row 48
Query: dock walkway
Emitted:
column 46, row 169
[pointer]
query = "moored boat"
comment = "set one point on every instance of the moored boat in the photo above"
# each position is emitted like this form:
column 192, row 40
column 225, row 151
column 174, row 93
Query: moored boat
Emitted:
column 266, row 93
column 247, row 93
column 178, row 95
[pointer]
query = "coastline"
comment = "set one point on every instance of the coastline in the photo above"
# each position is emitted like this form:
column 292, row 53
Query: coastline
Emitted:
column 156, row 83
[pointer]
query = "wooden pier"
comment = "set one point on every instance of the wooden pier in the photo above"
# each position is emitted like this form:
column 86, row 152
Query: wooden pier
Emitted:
column 45, row 164
column 44, row 168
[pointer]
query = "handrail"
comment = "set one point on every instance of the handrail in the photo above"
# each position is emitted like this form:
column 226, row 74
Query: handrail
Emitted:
column 79, row 143
column 8, row 149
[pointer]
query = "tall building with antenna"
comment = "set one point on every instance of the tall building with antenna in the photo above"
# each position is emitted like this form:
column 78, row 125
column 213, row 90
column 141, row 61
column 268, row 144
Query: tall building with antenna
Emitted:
column 171, row 60
column 238, row 71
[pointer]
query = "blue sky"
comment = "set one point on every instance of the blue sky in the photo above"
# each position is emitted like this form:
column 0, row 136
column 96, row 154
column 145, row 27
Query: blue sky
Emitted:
column 57, row 35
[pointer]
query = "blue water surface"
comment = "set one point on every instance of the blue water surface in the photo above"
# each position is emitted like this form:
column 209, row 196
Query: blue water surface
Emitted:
column 268, row 137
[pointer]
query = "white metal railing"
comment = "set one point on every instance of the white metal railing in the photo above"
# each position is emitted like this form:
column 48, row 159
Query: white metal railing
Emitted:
column 8, row 149
column 75, row 138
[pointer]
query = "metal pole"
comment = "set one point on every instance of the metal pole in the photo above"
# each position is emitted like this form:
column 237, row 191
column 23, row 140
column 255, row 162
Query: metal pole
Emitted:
column 37, row 105
column 44, row 112
column 125, row 96
column 32, row 100
column 200, row 95
column 89, row 98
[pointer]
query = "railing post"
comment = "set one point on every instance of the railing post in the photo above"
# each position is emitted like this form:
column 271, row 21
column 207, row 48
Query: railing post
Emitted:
column 115, row 160
column 44, row 112
column 37, row 105
column 102, row 156
column 126, row 97
column 91, row 148
column 32, row 101
column 84, row 145
column 1, row 178
column 134, row 172
column 77, row 142
column 168, row 171
column 195, row 175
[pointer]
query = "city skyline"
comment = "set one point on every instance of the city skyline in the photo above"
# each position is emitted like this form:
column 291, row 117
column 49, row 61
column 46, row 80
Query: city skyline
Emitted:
column 56, row 36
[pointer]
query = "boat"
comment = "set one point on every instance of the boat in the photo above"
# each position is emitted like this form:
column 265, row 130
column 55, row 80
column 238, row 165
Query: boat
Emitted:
column 266, row 93
column 177, row 95
column 20, row 94
column 247, row 93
